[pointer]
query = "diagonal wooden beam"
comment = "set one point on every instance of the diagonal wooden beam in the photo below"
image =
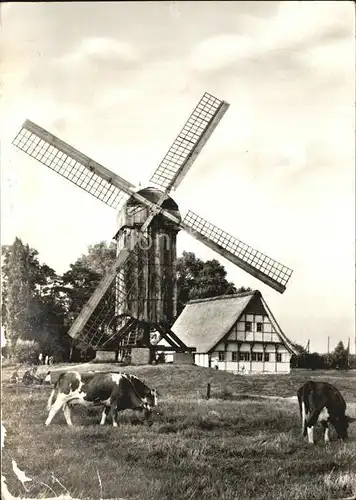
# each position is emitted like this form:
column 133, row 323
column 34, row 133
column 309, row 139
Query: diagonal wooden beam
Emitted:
column 171, row 337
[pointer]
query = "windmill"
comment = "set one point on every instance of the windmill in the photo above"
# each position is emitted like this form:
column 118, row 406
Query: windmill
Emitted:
column 139, row 291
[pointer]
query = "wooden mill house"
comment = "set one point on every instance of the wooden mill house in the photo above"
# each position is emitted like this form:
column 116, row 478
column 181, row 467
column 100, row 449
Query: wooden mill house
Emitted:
column 237, row 333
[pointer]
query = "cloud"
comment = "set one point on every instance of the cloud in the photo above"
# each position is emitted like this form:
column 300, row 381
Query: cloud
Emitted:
column 101, row 48
column 334, row 56
column 220, row 51
column 297, row 27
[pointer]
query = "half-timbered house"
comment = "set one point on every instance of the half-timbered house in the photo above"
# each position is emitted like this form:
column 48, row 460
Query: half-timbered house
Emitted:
column 237, row 333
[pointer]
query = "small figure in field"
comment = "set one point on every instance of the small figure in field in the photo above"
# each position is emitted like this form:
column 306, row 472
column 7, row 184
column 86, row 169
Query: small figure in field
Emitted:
column 40, row 358
column 46, row 360
column 30, row 376
column 15, row 377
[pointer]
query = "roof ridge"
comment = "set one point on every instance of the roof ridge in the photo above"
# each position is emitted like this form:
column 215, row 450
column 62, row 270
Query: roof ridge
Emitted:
column 224, row 297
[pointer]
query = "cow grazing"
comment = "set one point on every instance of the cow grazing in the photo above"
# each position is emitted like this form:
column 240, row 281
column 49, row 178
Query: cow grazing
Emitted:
column 115, row 391
column 322, row 402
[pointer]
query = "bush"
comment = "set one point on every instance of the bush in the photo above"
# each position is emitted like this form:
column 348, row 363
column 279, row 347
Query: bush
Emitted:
column 313, row 361
column 81, row 352
column 26, row 351
column 352, row 362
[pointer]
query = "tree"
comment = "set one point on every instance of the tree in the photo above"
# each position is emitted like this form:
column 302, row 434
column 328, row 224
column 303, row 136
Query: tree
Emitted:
column 80, row 281
column 243, row 289
column 197, row 279
column 99, row 258
column 339, row 357
column 51, row 328
column 315, row 361
column 18, row 284
column 211, row 281
column 77, row 285
column 304, row 359
column 299, row 360
column 32, row 309
column 352, row 361
column 188, row 269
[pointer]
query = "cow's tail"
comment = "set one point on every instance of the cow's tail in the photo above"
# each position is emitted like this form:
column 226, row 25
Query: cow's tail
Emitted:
column 303, row 393
column 303, row 418
column 300, row 395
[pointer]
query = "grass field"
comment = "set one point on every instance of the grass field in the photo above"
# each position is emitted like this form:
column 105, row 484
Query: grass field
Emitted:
column 243, row 447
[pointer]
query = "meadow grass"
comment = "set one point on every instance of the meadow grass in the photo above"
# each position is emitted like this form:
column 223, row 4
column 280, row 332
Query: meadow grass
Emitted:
column 191, row 381
column 217, row 449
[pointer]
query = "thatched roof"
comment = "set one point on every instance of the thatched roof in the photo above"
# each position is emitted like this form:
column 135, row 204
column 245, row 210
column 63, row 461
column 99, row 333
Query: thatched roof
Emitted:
column 203, row 323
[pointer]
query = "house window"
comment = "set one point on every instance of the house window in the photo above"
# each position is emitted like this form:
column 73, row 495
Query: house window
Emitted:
column 259, row 327
column 279, row 357
column 248, row 326
column 244, row 356
column 266, row 356
column 234, row 356
column 254, row 356
column 221, row 356
column 259, row 356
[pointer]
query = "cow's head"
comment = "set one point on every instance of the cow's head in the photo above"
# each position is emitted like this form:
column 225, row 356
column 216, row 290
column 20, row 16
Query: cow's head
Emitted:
column 146, row 393
column 151, row 397
column 341, row 425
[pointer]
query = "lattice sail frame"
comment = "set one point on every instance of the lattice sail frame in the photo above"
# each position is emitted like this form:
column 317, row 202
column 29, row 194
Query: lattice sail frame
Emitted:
column 106, row 324
column 189, row 142
column 274, row 270
column 71, row 164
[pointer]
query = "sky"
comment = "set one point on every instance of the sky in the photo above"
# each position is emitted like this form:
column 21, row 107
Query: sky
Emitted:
column 118, row 81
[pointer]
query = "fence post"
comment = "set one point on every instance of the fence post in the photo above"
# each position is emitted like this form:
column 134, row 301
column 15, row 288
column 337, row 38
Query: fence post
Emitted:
column 208, row 391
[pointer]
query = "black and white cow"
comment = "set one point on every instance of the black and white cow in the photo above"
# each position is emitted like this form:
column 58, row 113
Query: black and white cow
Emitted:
column 322, row 402
column 115, row 391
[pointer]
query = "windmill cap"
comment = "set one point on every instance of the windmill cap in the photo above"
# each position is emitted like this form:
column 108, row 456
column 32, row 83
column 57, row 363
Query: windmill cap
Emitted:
column 154, row 195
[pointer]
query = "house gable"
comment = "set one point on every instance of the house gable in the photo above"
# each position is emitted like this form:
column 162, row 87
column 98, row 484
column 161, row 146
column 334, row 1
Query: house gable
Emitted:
column 256, row 326
column 255, row 306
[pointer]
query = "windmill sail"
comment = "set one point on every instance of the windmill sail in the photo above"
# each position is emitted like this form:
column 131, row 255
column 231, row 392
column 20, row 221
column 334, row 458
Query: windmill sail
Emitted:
column 119, row 311
column 257, row 264
column 189, row 142
column 78, row 168
column 104, row 325
column 73, row 165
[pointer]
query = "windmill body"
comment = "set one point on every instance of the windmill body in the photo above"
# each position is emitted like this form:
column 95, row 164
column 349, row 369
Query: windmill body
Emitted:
column 146, row 286
column 139, row 291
